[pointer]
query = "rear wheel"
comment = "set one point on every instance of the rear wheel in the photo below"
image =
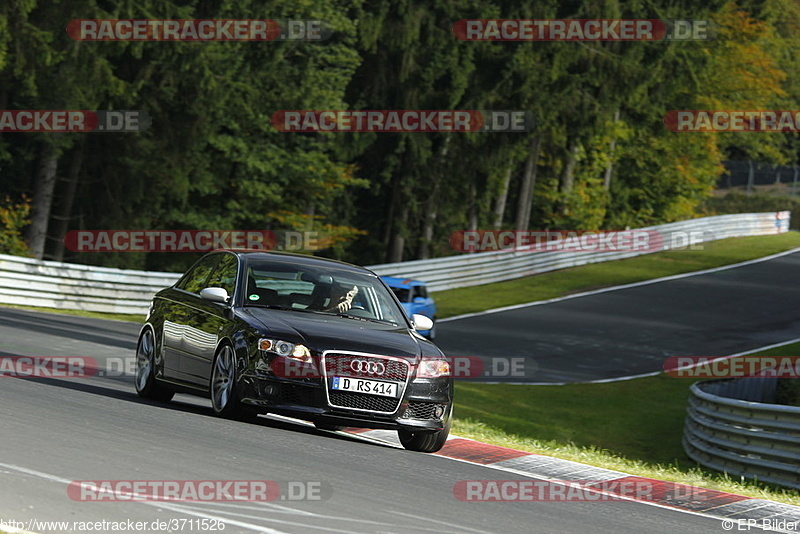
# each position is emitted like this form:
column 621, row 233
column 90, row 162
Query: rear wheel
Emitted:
column 145, row 376
column 426, row 441
column 224, row 399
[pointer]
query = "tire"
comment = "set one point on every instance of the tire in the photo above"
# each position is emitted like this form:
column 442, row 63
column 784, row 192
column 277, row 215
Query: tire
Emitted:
column 426, row 441
column 145, row 377
column 327, row 426
column 222, row 386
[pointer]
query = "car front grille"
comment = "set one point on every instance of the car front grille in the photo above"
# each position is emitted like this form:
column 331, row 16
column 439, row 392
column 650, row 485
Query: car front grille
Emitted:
column 421, row 410
column 371, row 367
column 360, row 401
column 338, row 364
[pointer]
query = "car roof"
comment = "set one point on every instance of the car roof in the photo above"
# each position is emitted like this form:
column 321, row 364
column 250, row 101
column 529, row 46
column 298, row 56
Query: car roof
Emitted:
column 297, row 259
column 395, row 281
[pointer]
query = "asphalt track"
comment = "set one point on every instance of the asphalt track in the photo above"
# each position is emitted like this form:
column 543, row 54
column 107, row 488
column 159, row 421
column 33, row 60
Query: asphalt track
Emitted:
column 633, row 331
column 54, row 431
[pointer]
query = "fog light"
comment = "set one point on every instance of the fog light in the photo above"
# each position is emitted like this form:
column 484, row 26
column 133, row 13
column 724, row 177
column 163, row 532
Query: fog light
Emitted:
column 438, row 412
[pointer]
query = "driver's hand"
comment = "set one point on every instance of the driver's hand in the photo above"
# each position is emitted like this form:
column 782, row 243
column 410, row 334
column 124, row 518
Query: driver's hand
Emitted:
column 346, row 302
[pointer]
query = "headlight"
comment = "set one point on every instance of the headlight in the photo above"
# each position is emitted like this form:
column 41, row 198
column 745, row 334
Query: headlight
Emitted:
column 301, row 352
column 285, row 349
column 433, row 368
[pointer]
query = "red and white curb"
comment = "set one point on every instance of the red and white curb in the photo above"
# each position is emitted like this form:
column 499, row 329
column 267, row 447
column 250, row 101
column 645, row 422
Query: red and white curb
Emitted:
column 718, row 504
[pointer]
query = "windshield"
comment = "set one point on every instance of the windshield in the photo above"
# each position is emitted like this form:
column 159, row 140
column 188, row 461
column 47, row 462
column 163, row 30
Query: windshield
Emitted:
column 320, row 290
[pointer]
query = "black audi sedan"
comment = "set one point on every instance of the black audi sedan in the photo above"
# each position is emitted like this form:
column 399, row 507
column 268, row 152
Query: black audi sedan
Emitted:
column 306, row 337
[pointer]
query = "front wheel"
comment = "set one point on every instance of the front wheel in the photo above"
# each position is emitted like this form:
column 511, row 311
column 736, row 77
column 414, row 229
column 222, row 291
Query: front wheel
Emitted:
column 426, row 441
column 145, row 377
column 224, row 399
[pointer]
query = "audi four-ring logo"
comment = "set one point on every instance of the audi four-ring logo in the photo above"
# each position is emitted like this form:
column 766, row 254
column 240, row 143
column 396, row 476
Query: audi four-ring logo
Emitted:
column 370, row 368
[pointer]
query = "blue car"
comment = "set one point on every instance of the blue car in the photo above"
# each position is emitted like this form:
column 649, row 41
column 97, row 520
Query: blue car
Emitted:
column 413, row 295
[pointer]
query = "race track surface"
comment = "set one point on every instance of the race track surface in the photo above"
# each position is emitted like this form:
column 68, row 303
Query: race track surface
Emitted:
column 632, row 331
column 58, row 430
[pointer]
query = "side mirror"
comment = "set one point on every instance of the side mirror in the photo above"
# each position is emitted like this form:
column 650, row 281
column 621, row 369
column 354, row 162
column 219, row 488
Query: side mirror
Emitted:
column 421, row 322
column 418, row 300
column 215, row 294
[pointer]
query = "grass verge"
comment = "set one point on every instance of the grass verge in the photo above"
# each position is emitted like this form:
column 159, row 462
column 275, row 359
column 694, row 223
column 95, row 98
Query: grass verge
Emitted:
column 634, row 426
column 587, row 277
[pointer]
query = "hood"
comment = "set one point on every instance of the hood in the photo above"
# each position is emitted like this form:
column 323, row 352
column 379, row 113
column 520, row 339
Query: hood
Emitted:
column 321, row 332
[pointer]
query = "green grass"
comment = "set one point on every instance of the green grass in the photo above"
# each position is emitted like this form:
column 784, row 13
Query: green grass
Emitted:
column 82, row 313
column 634, row 426
column 587, row 277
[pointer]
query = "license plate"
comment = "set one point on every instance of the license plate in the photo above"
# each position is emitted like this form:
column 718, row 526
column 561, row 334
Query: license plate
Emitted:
column 359, row 385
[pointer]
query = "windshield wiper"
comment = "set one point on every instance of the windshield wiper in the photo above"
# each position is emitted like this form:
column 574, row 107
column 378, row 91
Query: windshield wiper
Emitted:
column 320, row 312
column 362, row 318
column 276, row 307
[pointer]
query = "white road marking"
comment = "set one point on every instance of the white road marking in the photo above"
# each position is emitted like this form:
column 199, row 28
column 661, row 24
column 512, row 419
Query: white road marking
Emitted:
column 208, row 513
column 627, row 286
column 463, row 529
column 273, row 507
column 225, row 520
column 654, row 373
column 158, row 504
column 617, row 288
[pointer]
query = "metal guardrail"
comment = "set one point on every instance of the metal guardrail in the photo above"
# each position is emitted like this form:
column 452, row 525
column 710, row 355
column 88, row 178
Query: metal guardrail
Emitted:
column 71, row 286
column 485, row 267
column 731, row 427
column 83, row 287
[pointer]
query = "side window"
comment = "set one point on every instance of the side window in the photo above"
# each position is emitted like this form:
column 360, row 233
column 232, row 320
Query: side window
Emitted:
column 195, row 280
column 224, row 275
column 418, row 291
column 423, row 291
column 402, row 294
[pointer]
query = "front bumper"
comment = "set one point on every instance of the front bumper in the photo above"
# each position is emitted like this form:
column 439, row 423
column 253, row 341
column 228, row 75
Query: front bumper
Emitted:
column 422, row 402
